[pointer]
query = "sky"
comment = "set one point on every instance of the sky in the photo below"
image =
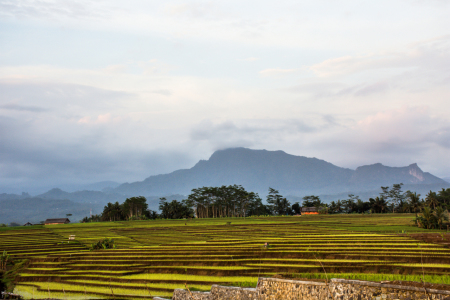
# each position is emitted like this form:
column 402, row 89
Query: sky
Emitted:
column 121, row 90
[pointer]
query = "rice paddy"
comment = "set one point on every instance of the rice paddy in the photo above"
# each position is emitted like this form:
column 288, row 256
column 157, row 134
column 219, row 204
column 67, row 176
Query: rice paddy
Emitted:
column 154, row 257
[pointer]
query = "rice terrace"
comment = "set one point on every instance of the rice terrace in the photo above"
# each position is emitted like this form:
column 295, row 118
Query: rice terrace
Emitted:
column 154, row 257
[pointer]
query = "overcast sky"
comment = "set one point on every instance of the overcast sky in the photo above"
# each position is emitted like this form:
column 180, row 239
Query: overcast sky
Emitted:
column 121, row 90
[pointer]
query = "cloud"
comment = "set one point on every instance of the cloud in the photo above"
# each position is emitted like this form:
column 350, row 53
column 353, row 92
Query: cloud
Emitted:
column 247, row 133
column 395, row 137
column 121, row 68
column 164, row 92
column 276, row 72
column 51, row 9
column 208, row 10
column 21, row 95
column 428, row 54
column 12, row 106
column 250, row 59
column 100, row 119
column 155, row 67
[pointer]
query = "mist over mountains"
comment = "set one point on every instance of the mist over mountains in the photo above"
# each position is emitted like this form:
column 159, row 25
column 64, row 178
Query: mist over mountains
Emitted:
column 256, row 170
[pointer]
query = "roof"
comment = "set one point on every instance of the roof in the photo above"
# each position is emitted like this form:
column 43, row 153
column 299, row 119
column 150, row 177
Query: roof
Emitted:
column 309, row 209
column 60, row 220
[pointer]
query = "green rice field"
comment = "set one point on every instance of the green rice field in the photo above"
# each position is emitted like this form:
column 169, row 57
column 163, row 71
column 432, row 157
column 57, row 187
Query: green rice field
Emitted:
column 154, row 257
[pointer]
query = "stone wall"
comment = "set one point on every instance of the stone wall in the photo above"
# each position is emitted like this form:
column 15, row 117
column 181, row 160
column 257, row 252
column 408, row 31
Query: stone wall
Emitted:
column 274, row 289
column 336, row 289
column 342, row 289
column 233, row 293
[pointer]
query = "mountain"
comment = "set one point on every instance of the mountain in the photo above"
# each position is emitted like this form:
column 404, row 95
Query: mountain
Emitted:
column 82, row 196
column 377, row 174
column 447, row 179
column 35, row 210
column 257, row 170
column 96, row 186
column 57, row 203
column 5, row 196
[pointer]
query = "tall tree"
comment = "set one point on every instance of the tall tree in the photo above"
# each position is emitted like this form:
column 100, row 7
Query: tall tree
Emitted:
column 312, row 201
column 134, row 206
column 431, row 200
column 414, row 202
column 378, row 205
column 278, row 203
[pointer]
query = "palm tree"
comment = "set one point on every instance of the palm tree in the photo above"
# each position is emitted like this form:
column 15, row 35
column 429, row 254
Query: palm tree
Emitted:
column 4, row 260
column 379, row 204
column 414, row 202
column 432, row 200
column 441, row 216
column 428, row 217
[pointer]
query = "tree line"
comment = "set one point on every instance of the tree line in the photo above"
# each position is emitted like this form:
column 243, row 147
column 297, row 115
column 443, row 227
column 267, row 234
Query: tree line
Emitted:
column 134, row 208
column 235, row 201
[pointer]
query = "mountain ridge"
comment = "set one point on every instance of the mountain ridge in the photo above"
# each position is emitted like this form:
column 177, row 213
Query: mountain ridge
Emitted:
column 256, row 170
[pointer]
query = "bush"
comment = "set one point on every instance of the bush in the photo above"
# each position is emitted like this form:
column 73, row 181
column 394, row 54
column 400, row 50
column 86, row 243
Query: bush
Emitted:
column 106, row 243
column 431, row 219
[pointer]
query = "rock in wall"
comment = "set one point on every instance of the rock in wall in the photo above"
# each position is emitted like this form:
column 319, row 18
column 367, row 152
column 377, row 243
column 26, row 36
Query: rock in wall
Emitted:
column 336, row 289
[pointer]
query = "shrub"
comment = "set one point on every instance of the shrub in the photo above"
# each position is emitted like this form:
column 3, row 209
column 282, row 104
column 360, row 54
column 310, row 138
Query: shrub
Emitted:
column 106, row 243
column 4, row 260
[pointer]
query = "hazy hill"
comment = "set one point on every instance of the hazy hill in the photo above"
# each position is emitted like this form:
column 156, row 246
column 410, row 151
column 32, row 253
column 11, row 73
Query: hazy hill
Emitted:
column 56, row 203
column 82, row 196
column 257, row 170
column 377, row 174
column 35, row 210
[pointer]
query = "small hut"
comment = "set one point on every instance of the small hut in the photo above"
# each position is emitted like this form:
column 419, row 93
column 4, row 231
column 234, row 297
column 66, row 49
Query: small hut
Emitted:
column 310, row 211
column 27, row 224
column 56, row 221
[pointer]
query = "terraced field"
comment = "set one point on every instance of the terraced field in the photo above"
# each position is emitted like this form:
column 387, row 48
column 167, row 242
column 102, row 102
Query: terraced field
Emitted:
column 155, row 257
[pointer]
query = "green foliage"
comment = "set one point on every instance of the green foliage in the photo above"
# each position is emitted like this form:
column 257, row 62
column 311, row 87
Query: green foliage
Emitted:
column 4, row 260
column 312, row 201
column 10, row 275
column 223, row 201
column 175, row 209
column 431, row 219
column 134, row 206
column 106, row 243
column 93, row 218
column 278, row 204
column 296, row 208
column 112, row 212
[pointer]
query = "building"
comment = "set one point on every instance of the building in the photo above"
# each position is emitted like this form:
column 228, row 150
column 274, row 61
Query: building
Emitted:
column 310, row 211
column 28, row 224
column 56, row 221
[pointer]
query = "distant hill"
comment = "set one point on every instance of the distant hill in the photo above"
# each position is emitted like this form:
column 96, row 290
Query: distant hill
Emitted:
column 101, row 186
column 447, row 179
column 82, row 196
column 56, row 203
column 257, row 170
column 35, row 210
